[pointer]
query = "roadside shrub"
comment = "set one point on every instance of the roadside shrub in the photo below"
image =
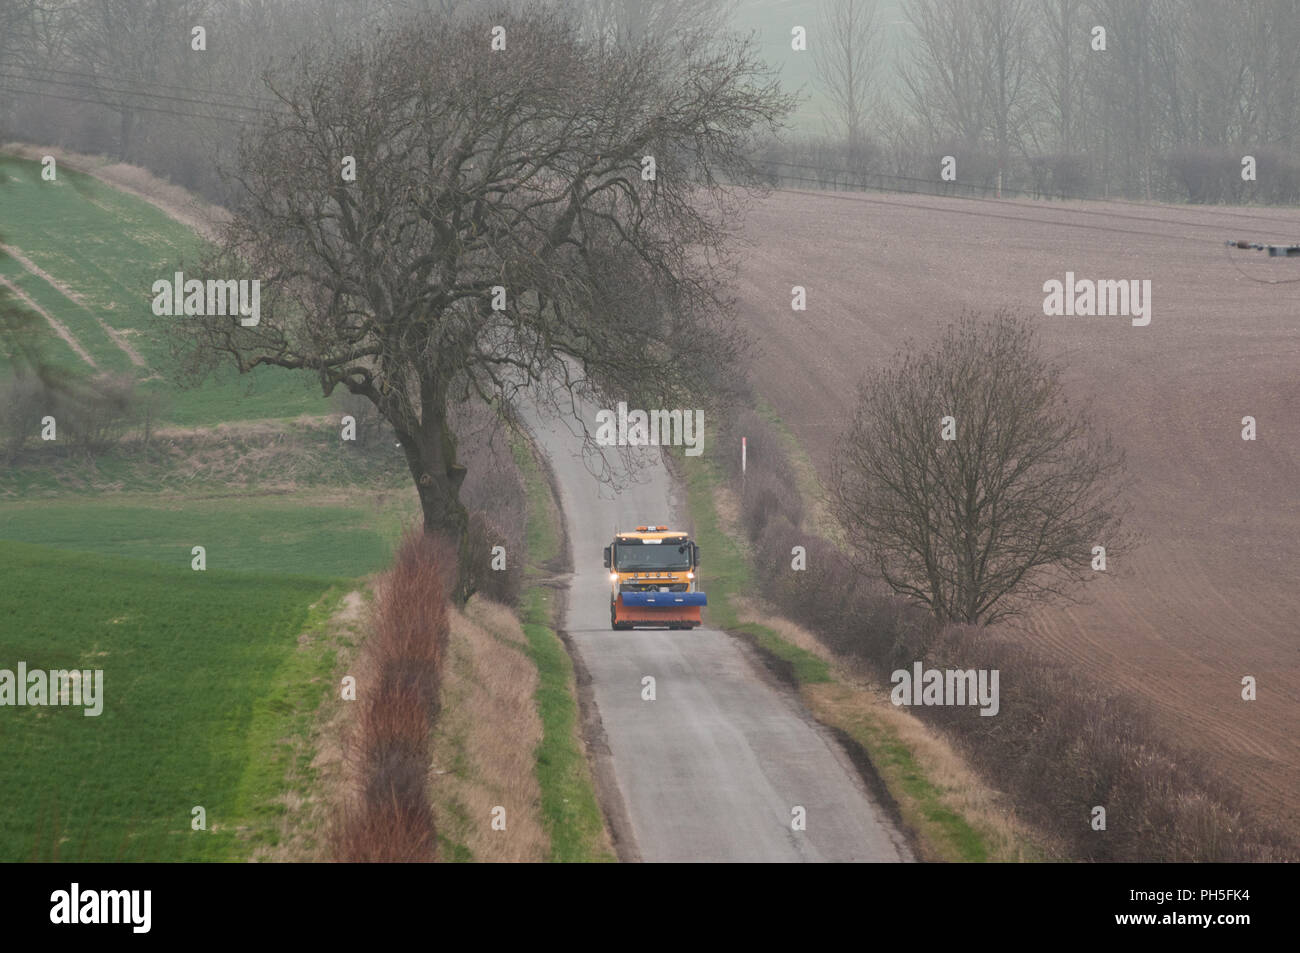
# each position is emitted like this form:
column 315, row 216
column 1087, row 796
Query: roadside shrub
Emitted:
column 499, row 585
column 391, row 819
column 765, row 497
column 91, row 415
column 1063, row 744
column 771, row 485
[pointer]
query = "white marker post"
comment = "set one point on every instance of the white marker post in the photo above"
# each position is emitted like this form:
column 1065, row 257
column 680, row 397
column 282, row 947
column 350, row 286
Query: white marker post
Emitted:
column 744, row 441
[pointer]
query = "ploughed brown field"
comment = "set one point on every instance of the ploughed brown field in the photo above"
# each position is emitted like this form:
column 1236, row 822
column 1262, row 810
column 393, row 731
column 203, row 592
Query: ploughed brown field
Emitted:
column 1213, row 593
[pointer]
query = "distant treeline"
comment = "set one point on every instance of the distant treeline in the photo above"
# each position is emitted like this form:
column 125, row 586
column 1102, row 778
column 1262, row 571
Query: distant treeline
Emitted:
column 127, row 79
column 1140, row 99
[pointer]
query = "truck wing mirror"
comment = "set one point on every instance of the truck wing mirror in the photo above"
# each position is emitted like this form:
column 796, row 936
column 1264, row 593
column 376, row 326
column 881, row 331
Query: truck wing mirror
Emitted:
column 607, row 548
column 697, row 554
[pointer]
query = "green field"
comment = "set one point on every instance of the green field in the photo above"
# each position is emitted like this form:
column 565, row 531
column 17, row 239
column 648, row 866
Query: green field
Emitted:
column 106, row 249
column 263, row 535
column 204, row 683
column 213, row 679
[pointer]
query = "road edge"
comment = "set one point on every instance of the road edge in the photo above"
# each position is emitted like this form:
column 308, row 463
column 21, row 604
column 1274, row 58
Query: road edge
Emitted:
column 591, row 728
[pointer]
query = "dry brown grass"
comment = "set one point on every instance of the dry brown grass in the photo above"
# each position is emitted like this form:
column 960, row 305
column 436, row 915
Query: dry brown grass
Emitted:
column 484, row 752
column 272, row 455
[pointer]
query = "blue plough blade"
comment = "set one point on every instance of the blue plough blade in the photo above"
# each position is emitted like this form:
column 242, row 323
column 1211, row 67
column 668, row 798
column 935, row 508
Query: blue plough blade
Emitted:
column 665, row 599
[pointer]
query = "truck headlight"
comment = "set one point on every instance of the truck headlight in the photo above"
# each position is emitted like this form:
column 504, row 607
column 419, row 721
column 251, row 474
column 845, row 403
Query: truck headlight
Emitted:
column 613, row 577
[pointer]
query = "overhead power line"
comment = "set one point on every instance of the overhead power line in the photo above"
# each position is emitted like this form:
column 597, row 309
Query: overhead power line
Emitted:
column 212, row 110
column 249, row 100
column 106, row 91
column 100, row 102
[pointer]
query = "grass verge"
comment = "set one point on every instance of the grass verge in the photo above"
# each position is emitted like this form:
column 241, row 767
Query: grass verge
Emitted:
column 570, row 810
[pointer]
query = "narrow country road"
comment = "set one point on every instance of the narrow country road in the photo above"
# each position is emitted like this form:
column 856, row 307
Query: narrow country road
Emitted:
column 712, row 769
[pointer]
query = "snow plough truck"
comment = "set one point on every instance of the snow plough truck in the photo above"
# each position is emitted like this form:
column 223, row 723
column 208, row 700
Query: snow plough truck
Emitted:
column 654, row 579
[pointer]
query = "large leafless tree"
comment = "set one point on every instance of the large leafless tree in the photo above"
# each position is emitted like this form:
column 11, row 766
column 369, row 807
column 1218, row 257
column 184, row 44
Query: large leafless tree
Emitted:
column 1004, row 38
column 503, row 227
column 1006, row 515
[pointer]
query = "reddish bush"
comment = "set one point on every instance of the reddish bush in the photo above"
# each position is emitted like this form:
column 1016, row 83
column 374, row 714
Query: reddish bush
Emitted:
column 392, row 819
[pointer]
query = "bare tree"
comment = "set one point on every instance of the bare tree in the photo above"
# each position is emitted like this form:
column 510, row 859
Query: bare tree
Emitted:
column 1004, row 38
column 128, row 46
column 967, row 75
column 1238, row 69
column 980, row 527
column 1059, row 69
column 31, row 32
column 502, row 226
column 1131, row 95
column 943, row 78
column 845, row 53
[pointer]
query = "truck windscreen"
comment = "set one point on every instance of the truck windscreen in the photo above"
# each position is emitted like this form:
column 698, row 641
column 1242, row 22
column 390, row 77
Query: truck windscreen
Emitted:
column 637, row 557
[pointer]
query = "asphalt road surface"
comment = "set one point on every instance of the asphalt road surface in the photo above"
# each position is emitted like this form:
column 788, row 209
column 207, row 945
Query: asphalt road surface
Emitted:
column 714, row 767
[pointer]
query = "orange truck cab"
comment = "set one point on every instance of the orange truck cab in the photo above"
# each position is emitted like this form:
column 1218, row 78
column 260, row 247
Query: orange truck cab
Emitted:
column 653, row 578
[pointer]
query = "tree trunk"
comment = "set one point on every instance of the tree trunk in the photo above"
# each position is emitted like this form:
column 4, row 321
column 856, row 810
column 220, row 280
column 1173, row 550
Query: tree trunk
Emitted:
column 431, row 457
